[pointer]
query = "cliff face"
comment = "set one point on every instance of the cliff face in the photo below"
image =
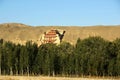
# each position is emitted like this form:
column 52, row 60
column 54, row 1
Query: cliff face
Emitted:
column 20, row 33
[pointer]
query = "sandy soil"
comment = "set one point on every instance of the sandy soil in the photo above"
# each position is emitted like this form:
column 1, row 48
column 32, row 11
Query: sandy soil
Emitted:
column 20, row 33
column 49, row 78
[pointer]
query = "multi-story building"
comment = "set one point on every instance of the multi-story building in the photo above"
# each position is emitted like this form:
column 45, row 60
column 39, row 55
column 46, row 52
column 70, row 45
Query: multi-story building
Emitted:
column 52, row 36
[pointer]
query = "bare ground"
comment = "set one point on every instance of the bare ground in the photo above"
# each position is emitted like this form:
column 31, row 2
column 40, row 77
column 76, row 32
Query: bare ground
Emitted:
column 20, row 33
column 51, row 78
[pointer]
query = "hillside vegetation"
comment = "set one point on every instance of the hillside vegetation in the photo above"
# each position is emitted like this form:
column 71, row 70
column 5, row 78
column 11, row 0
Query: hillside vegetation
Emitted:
column 20, row 33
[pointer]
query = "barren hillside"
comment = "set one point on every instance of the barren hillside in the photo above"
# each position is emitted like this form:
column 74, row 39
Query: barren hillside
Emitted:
column 20, row 33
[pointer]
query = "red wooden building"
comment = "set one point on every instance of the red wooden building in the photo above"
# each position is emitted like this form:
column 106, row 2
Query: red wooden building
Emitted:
column 52, row 36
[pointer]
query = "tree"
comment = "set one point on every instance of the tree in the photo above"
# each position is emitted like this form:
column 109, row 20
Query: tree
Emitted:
column 15, row 59
column 8, row 47
column 116, row 56
column 65, row 51
column 1, row 48
column 91, row 50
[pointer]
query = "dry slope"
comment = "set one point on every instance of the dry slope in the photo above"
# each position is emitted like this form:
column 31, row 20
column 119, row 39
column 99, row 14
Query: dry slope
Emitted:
column 20, row 33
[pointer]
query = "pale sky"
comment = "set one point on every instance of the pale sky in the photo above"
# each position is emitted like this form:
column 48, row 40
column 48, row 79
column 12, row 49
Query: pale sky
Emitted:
column 60, row 12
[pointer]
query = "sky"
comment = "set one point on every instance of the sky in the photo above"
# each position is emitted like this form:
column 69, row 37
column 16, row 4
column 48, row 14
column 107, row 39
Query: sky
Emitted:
column 60, row 12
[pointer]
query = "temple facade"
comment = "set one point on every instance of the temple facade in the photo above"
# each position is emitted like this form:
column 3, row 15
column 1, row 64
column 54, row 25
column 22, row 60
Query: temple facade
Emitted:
column 52, row 36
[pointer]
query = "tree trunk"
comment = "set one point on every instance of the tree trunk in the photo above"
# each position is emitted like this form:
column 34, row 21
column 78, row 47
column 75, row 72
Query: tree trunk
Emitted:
column 16, row 71
column 0, row 69
column 0, row 64
column 28, row 71
column 11, row 72
column 53, row 73
column 22, row 72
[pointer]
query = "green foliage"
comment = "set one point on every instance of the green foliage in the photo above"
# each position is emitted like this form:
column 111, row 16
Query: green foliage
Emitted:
column 92, row 56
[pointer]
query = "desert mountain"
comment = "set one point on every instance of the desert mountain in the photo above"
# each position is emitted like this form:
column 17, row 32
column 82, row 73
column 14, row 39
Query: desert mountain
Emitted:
column 20, row 33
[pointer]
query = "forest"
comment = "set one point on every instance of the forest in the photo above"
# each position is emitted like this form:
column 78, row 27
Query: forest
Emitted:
column 92, row 56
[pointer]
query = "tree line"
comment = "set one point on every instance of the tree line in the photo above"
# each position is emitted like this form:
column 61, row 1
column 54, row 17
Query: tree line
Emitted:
column 92, row 56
